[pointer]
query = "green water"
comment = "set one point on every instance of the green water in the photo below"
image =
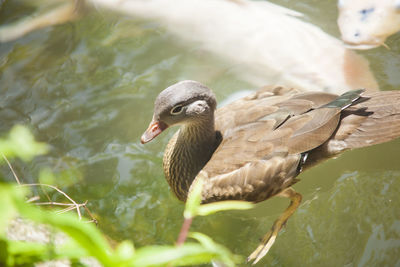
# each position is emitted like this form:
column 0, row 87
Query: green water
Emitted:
column 87, row 89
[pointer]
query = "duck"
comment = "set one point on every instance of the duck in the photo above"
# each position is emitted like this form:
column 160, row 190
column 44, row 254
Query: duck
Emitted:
column 254, row 148
column 258, row 41
column 366, row 24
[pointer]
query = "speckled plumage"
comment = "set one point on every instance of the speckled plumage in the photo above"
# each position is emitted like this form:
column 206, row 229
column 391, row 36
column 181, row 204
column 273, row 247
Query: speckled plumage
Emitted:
column 265, row 135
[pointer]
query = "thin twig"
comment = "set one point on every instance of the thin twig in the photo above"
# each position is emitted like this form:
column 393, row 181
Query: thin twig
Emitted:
column 32, row 199
column 90, row 214
column 72, row 205
column 45, row 193
column 11, row 168
column 61, row 192
column 65, row 210
column 55, row 203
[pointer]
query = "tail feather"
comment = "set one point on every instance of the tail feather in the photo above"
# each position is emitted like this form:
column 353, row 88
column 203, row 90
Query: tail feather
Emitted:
column 373, row 119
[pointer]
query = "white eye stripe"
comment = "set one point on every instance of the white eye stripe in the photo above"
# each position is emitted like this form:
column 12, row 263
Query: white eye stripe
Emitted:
column 176, row 110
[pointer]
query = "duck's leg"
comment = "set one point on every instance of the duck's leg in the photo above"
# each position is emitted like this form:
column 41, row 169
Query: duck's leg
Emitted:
column 269, row 239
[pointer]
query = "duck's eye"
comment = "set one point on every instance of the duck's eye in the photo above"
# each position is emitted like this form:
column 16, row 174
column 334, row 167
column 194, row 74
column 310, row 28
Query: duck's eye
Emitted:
column 176, row 110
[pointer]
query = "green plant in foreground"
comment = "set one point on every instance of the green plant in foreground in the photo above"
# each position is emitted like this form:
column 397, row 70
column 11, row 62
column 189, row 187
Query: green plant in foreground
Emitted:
column 85, row 239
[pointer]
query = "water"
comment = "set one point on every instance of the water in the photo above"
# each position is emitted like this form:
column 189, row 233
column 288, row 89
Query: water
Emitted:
column 87, row 89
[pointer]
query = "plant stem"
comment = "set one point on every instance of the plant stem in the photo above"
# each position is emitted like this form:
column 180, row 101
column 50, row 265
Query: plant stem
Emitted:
column 184, row 231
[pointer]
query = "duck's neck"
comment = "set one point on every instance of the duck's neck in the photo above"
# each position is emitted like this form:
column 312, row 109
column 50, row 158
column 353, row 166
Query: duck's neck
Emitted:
column 187, row 153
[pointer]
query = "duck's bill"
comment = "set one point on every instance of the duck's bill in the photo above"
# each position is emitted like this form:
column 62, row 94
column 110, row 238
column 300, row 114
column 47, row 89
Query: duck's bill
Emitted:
column 155, row 128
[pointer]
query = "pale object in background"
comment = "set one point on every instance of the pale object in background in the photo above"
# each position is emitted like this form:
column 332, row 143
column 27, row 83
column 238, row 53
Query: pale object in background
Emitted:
column 263, row 42
column 366, row 24
column 49, row 13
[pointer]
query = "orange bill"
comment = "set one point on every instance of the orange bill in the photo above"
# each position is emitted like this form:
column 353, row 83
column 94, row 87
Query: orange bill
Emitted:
column 155, row 128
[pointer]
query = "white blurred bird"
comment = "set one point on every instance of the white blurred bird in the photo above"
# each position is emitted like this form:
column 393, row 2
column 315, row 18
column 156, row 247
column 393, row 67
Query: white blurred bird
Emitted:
column 366, row 24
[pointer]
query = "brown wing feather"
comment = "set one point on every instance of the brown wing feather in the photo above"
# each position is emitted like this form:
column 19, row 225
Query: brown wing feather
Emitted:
column 320, row 126
column 251, row 108
column 260, row 151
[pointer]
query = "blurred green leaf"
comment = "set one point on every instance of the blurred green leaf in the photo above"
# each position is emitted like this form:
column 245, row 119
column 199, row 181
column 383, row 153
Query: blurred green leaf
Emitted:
column 206, row 241
column 71, row 250
column 187, row 254
column 211, row 208
column 21, row 252
column 86, row 235
column 124, row 252
column 194, row 199
column 21, row 143
column 3, row 250
column 224, row 254
column 8, row 209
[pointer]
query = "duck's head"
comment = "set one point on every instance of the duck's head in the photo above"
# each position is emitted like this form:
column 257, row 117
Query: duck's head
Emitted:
column 186, row 102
